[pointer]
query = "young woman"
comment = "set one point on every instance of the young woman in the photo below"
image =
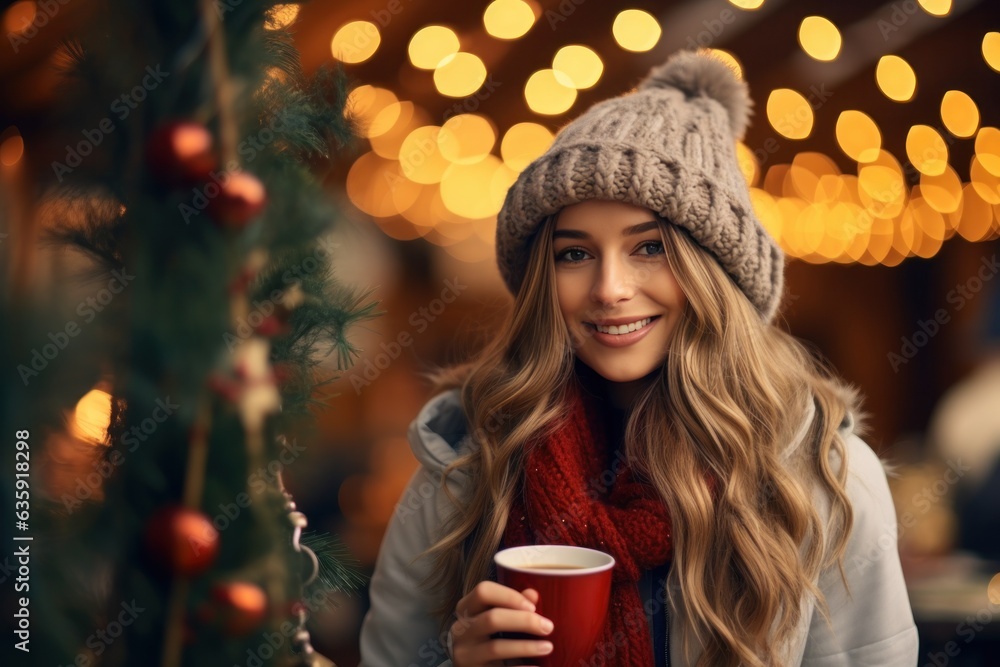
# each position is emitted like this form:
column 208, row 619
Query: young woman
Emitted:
column 641, row 402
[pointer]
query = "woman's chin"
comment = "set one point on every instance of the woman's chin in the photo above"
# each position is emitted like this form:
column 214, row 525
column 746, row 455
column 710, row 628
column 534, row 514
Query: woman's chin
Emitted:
column 623, row 373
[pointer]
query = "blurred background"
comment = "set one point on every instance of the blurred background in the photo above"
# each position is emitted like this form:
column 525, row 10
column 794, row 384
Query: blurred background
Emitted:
column 873, row 157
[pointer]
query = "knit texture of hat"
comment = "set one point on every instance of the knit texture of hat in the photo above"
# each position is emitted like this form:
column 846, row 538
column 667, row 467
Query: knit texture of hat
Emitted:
column 670, row 146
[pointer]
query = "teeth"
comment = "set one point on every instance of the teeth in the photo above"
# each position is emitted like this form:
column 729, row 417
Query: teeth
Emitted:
column 623, row 328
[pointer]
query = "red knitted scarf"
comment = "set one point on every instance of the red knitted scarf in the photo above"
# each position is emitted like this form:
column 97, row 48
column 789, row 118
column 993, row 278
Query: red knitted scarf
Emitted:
column 567, row 499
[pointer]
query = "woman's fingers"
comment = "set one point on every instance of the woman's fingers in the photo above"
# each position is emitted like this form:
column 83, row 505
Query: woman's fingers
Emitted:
column 499, row 619
column 498, row 650
column 486, row 618
column 531, row 595
column 489, row 594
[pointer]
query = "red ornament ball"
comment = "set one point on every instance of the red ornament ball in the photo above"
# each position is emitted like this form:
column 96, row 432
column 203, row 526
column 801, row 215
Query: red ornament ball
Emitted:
column 240, row 198
column 235, row 608
column 273, row 326
column 181, row 153
column 181, row 540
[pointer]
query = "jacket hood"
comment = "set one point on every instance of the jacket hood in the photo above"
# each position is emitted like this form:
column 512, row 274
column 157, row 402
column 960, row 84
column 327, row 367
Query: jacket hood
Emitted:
column 439, row 433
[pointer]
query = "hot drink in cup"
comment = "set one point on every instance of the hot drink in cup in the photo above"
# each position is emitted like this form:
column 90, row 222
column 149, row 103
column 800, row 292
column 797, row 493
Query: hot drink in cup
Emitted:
column 574, row 589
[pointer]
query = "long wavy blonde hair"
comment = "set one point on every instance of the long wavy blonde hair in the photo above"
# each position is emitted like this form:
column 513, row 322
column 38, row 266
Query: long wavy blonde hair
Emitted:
column 728, row 399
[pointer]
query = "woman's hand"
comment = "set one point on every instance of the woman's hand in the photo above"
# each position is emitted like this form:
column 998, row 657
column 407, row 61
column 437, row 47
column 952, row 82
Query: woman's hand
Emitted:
column 491, row 608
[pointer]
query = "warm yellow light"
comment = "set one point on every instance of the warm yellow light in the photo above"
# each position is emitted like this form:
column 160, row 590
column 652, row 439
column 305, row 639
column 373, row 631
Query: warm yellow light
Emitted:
column 355, row 42
column 832, row 188
column 636, row 30
column 92, row 416
column 988, row 149
column 929, row 246
column 977, row 216
column 374, row 110
column 936, row 7
column 805, row 174
column 466, row 189
column 388, row 143
column 774, row 179
column 926, row 150
column 952, row 219
column 508, row 19
column 547, row 94
column 987, row 185
column 472, row 250
column 419, row 157
column 880, row 239
column 19, row 16
column 819, row 38
column 579, row 64
column 420, row 212
column 895, row 78
column 857, row 223
column 451, row 229
column 524, row 142
column 959, row 113
column 791, row 231
column 789, row 113
column 849, row 189
column 432, row 44
column 841, row 233
column 728, row 58
column 360, row 100
column 907, row 235
column 385, row 120
column 459, row 75
column 281, row 16
column 882, row 187
column 748, row 164
column 810, row 223
column 746, row 4
column 991, row 49
column 466, row 138
column 931, row 224
column 11, row 150
column 378, row 186
column 501, row 181
column 893, row 258
column 943, row 192
column 402, row 191
column 858, row 135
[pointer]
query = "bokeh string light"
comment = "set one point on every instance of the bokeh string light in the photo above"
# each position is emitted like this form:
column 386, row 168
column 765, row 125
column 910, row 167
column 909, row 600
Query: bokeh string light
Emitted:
column 445, row 179
column 819, row 38
column 509, row 19
column 355, row 42
column 432, row 44
column 636, row 30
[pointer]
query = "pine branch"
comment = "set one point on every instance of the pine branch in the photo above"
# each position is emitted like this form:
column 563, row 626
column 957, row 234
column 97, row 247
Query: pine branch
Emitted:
column 339, row 571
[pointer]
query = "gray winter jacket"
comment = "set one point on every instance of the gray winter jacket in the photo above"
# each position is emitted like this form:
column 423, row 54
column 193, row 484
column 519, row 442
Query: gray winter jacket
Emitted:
column 874, row 629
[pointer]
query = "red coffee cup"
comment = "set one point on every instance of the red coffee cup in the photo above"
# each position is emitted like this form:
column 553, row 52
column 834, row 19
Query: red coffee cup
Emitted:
column 574, row 590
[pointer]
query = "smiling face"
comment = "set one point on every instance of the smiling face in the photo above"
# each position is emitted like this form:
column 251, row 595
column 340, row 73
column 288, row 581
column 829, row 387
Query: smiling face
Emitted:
column 616, row 292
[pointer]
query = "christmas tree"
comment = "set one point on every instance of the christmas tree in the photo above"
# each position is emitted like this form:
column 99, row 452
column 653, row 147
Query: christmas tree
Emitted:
column 194, row 193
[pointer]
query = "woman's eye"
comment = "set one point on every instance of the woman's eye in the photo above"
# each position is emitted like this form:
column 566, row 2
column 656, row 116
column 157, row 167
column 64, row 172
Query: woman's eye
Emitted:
column 571, row 255
column 651, row 248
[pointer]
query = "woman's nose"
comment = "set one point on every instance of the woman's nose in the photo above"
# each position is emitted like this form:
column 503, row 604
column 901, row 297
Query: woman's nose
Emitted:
column 613, row 282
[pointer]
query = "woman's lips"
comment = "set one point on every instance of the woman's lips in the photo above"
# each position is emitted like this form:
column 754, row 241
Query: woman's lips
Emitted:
column 620, row 340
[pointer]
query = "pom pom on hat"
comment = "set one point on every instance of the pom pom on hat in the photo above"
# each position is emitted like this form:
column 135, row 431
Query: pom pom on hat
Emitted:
column 700, row 75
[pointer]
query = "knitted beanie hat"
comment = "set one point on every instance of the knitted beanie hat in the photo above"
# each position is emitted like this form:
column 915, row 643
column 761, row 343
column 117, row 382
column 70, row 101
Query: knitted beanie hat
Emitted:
column 670, row 146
